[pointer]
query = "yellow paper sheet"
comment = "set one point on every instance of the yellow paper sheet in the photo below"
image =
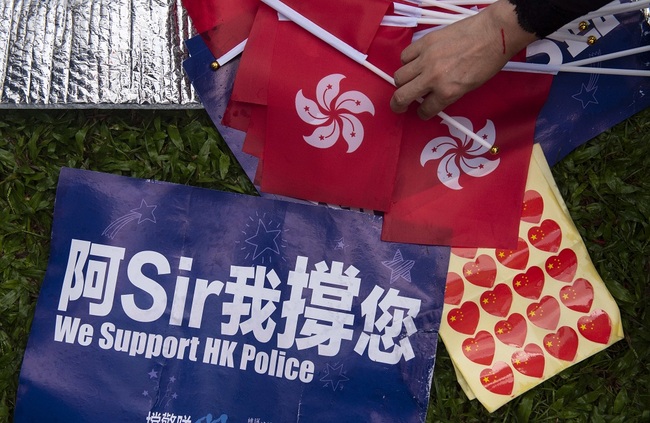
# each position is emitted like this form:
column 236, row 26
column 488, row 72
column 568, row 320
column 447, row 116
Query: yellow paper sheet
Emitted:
column 514, row 318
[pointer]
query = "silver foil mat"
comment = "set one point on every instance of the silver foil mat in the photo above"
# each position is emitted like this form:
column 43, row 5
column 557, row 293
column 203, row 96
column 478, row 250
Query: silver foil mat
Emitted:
column 94, row 53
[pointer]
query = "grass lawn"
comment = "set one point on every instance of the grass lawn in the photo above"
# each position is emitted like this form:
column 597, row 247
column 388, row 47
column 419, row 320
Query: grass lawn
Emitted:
column 605, row 183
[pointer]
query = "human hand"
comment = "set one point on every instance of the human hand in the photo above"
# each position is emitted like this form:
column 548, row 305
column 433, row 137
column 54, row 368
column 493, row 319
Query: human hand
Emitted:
column 447, row 63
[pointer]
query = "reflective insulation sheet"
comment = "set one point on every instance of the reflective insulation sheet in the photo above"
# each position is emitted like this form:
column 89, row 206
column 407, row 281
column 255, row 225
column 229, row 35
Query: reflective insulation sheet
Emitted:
column 94, row 54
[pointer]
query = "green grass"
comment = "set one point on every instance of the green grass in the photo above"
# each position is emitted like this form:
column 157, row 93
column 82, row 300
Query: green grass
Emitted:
column 606, row 184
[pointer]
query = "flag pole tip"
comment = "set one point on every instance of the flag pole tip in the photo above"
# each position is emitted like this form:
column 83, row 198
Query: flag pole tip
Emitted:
column 214, row 65
column 591, row 40
column 495, row 150
column 583, row 25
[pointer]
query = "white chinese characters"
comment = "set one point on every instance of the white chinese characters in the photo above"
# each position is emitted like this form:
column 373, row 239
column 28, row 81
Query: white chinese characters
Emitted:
column 314, row 308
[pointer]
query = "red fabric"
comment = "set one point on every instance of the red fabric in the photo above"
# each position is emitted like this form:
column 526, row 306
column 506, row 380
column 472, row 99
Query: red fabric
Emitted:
column 486, row 211
column 256, row 133
column 250, row 88
column 353, row 21
column 222, row 23
column 237, row 115
column 329, row 160
column 252, row 79
column 387, row 46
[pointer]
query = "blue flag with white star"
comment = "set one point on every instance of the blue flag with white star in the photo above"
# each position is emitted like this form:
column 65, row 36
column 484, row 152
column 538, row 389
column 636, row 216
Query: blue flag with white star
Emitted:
column 581, row 106
column 168, row 303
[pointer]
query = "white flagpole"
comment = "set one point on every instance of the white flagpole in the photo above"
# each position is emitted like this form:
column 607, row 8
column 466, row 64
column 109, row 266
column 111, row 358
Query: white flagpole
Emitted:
column 358, row 57
column 234, row 52
column 609, row 56
column 449, row 6
column 554, row 69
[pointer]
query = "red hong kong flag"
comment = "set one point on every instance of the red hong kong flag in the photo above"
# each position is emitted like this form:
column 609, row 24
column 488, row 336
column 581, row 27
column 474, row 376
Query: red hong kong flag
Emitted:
column 223, row 24
column 450, row 189
column 341, row 18
column 331, row 136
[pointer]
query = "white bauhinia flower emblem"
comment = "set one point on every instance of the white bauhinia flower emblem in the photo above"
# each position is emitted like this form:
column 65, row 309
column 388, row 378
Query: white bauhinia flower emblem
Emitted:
column 334, row 114
column 461, row 154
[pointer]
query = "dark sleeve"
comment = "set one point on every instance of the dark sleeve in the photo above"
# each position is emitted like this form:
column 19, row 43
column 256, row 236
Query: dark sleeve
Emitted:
column 542, row 17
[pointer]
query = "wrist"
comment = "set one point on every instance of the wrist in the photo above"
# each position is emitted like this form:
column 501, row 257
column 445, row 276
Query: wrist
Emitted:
column 505, row 21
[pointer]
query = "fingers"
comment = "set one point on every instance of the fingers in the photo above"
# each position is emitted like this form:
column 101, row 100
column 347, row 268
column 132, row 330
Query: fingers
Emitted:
column 435, row 102
column 409, row 85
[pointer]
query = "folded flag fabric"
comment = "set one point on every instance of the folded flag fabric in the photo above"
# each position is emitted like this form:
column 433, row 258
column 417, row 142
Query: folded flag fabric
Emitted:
column 168, row 303
column 451, row 190
column 515, row 317
column 223, row 24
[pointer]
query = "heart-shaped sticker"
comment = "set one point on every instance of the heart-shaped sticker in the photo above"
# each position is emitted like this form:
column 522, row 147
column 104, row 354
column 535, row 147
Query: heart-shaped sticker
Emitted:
column 533, row 207
column 545, row 314
column 514, row 259
column 512, row 331
column 579, row 296
column 596, row 327
column 530, row 283
column 480, row 349
column 497, row 302
column 454, row 288
column 468, row 253
column 481, row 272
column 546, row 237
column 529, row 361
column 498, row 379
column 562, row 344
column 464, row 319
column 562, row 266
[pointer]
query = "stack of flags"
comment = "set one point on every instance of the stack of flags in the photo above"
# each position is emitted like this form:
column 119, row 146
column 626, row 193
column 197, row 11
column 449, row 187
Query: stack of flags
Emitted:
column 308, row 116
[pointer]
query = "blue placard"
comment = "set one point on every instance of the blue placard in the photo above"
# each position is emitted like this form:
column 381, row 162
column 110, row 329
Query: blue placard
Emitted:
column 165, row 303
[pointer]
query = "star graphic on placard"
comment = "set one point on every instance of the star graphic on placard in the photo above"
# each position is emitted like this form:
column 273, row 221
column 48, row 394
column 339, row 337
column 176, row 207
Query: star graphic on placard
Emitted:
column 145, row 212
column 340, row 245
column 153, row 374
column 399, row 267
column 264, row 239
column 586, row 96
column 141, row 214
column 334, row 376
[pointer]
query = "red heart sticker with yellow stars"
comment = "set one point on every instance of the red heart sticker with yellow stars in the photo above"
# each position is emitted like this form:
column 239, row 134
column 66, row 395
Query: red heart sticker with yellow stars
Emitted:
column 533, row 207
column 529, row 284
column 464, row 319
column 562, row 266
column 481, row 272
column 530, row 361
column 454, row 288
column 498, row 379
column 512, row 331
column 514, row 259
column 546, row 237
column 579, row 296
column 562, row 344
column 480, row 349
column 497, row 302
column 545, row 314
column 597, row 327
column 468, row 253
